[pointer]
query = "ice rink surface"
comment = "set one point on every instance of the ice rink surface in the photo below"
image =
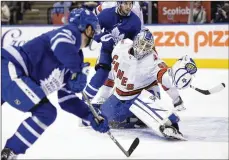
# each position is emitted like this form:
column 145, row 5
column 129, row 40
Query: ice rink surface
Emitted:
column 204, row 124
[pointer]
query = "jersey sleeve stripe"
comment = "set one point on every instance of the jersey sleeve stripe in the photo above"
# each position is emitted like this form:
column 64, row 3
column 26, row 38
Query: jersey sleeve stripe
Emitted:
column 88, row 94
column 61, row 34
column 92, row 88
column 61, row 40
column 65, row 98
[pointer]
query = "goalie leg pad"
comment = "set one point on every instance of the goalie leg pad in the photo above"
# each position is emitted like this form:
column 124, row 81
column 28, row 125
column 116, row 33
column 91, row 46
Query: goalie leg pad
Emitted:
column 153, row 116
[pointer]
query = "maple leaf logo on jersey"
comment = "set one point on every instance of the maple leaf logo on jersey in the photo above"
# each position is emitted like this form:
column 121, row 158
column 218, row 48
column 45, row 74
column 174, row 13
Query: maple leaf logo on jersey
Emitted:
column 116, row 35
column 54, row 82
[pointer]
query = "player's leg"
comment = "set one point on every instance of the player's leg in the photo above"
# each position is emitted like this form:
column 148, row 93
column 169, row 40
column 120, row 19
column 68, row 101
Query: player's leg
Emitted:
column 18, row 89
column 117, row 112
column 115, row 109
column 43, row 115
column 163, row 122
column 25, row 95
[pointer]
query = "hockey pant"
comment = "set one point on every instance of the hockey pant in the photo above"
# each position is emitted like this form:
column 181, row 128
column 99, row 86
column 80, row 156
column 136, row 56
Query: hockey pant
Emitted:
column 19, row 90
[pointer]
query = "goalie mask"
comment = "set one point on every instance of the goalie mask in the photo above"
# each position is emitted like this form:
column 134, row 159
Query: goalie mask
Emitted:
column 183, row 72
column 143, row 44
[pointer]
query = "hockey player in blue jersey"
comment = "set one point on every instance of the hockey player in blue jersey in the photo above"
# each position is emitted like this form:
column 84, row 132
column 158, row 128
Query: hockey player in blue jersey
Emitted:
column 38, row 68
column 120, row 21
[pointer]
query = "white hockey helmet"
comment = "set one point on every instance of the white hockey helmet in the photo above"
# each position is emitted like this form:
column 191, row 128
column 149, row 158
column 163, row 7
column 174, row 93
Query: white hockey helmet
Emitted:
column 183, row 72
column 143, row 44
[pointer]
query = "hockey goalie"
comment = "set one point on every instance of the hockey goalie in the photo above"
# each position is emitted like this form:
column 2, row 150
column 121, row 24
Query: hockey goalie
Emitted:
column 130, row 94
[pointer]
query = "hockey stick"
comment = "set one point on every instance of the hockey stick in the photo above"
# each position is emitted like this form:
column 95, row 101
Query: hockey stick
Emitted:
column 133, row 145
column 215, row 89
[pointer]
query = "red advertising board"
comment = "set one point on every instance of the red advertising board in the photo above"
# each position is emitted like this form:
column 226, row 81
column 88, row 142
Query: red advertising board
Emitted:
column 177, row 12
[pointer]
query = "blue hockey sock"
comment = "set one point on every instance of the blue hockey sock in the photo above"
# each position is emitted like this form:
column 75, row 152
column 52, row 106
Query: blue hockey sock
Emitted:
column 27, row 133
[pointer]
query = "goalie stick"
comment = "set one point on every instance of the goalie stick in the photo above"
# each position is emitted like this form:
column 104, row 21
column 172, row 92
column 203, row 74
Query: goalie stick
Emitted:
column 134, row 143
column 215, row 89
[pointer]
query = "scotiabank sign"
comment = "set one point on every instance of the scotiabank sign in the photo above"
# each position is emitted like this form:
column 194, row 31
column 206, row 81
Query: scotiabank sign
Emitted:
column 177, row 12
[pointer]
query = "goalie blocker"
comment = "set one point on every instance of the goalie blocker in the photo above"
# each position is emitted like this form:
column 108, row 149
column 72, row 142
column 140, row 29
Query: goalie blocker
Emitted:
column 163, row 122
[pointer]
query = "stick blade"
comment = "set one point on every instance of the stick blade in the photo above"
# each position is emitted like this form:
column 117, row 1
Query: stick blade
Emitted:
column 133, row 146
column 217, row 88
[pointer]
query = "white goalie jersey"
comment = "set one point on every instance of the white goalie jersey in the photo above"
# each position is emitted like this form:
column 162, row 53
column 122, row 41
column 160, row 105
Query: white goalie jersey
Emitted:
column 130, row 75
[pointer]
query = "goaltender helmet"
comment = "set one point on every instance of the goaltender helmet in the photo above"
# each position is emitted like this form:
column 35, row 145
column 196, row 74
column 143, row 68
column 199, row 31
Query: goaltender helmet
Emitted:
column 183, row 72
column 143, row 44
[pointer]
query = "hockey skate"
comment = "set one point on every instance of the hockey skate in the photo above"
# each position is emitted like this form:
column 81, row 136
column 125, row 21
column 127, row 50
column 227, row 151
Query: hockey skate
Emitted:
column 8, row 154
column 171, row 132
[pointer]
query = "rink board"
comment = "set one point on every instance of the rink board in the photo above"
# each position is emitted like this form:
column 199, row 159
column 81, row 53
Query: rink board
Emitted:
column 201, row 63
column 206, row 44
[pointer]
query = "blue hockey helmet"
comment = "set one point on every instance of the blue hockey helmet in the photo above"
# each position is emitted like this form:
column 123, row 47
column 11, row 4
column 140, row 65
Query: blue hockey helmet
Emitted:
column 82, row 18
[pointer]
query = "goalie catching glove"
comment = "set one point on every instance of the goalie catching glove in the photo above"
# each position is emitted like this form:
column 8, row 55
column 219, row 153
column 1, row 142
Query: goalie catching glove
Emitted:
column 183, row 72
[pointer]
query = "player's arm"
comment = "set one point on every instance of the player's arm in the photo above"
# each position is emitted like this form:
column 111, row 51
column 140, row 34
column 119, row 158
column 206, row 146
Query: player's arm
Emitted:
column 102, row 68
column 102, row 23
column 64, row 48
column 136, row 27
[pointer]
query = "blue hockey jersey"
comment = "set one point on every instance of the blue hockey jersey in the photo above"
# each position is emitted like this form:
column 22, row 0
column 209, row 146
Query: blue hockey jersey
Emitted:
column 120, row 27
column 55, row 50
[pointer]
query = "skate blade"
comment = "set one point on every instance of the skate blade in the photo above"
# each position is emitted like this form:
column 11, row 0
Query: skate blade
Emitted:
column 179, row 138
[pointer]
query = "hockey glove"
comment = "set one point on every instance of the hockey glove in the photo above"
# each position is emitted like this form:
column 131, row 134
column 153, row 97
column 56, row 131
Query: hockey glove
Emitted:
column 78, row 81
column 101, row 125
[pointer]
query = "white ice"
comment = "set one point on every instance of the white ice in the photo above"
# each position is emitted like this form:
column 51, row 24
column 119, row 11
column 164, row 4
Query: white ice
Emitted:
column 204, row 124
